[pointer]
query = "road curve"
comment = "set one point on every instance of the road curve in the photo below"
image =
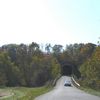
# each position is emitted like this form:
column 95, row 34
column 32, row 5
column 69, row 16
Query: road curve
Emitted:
column 60, row 92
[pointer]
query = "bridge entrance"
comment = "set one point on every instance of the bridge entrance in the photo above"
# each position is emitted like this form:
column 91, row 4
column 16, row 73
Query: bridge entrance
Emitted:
column 67, row 70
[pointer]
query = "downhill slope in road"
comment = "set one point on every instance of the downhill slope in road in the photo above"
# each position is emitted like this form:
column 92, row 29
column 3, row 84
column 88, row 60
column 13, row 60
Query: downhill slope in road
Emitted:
column 60, row 92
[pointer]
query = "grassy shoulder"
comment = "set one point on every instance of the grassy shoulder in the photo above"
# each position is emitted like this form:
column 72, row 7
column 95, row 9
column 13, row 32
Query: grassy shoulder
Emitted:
column 91, row 91
column 22, row 93
column 86, row 89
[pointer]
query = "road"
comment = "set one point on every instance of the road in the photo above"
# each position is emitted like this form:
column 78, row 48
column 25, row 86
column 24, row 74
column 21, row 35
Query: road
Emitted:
column 60, row 92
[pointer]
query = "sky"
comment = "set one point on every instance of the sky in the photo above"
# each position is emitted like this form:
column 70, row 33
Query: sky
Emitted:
column 49, row 21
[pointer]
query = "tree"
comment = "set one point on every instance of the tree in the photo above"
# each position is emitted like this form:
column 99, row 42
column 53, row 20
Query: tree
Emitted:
column 48, row 48
column 55, row 68
column 57, row 49
column 90, row 70
column 98, row 42
column 8, row 70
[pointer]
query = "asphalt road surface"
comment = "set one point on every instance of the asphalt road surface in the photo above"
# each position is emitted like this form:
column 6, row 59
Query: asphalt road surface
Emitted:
column 61, row 92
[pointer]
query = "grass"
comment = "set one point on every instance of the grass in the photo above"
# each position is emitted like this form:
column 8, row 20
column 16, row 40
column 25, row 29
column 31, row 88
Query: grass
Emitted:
column 87, row 89
column 91, row 91
column 35, row 92
column 23, row 93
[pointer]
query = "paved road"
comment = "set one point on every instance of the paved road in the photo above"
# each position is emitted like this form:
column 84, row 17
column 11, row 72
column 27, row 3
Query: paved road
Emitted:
column 60, row 92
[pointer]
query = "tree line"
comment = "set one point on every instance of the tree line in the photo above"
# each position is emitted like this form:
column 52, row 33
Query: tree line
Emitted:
column 90, row 71
column 23, row 65
column 29, row 65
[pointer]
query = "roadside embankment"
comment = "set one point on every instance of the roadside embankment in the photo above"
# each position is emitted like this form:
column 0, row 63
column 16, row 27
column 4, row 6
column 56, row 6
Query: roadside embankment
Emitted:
column 86, row 89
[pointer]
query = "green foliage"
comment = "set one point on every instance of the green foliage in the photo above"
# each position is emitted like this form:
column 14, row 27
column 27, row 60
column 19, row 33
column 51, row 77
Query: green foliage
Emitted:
column 23, row 93
column 55, row 68
column 23, row 65
column 57, row 49
column 8, row 70
column 90, row 70
column 35, row 92
column 27, row 65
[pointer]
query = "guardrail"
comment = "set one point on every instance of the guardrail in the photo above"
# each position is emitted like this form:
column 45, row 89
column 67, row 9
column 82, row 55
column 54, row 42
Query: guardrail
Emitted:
column 75, row 82
column 55, row 81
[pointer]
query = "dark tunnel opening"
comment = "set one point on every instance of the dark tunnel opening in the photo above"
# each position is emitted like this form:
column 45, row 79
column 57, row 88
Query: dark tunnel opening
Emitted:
column 67, row 70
